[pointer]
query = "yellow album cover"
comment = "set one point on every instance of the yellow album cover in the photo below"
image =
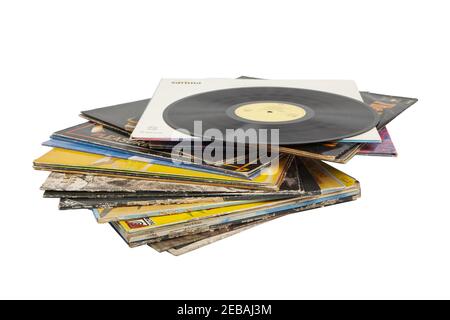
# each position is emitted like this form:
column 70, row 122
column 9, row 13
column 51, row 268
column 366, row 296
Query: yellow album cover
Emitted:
column 326, row 180
column 138, row 225
column 347, row 180
column 65, row 160
column 135, row 212
column 195, row 218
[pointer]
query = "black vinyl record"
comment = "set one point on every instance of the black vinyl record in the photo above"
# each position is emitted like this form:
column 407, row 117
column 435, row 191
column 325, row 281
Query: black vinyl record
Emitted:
column 301, row 115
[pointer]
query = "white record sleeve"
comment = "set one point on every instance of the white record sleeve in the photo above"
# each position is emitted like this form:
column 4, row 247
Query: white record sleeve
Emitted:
column 152, row 126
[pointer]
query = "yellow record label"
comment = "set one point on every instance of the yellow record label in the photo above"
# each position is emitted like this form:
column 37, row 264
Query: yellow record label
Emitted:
column 270, row 111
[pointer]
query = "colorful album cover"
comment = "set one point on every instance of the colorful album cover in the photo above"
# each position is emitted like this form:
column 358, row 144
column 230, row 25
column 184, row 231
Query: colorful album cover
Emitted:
column 326, row 181
column 100, row 184
column 139, row 225
column 95, row 138
column 92, row 203
column 142, row 230
column 110, row 152
column 291, row 186
column 153, row 238
column 63, row 160
column 104, row 215
column 113, row 202
column 73, row 185
column 384, row 149
column 329, row 180
column 69, row 199
column 388, row 107
column 344, row 178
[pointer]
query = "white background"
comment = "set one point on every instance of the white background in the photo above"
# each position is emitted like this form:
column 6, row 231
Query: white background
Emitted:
column 60, row 57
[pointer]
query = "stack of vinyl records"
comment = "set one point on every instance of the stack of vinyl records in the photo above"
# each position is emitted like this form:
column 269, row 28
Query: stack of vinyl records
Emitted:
column 166, row 172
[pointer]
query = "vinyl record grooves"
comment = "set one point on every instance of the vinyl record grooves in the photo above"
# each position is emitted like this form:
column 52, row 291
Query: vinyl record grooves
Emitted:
column 302, row 116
